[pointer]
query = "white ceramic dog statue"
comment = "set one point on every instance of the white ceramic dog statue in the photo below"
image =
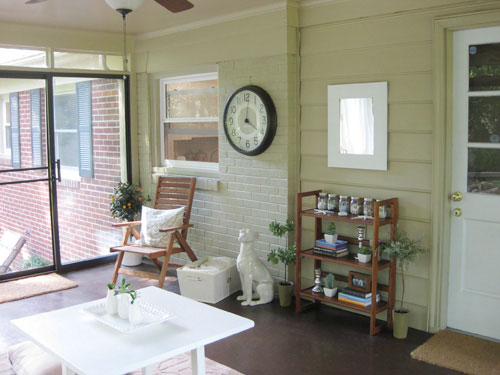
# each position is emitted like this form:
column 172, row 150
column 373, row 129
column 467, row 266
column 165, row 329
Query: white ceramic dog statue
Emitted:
column 252, row 270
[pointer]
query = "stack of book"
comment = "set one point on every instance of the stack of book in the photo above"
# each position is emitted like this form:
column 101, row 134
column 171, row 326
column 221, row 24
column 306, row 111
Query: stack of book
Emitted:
column 356, row 297
column 334, row 250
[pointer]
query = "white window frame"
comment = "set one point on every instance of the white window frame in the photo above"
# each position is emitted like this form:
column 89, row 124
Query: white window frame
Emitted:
column 184, row 164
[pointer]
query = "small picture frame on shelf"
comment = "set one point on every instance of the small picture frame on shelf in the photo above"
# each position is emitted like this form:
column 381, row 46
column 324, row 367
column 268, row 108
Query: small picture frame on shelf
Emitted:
column 359, row 281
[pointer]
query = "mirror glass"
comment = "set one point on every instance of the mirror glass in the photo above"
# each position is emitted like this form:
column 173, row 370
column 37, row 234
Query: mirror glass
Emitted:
column 357, row 124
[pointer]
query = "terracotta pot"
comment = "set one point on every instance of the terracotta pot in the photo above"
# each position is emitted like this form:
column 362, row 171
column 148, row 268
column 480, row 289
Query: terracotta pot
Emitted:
column 400, row 323
column 285, row 292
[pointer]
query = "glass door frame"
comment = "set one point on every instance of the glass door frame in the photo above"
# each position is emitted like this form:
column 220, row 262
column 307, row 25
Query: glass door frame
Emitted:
column 52, row 175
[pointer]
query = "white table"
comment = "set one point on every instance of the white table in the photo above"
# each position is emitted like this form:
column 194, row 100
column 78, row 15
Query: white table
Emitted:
column 88, row 347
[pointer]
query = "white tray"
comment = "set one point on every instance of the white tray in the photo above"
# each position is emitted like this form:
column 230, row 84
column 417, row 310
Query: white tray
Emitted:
column 152, row 315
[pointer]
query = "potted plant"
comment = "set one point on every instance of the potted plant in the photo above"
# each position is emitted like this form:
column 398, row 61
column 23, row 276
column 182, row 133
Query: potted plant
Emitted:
column 112, row 300
column 284, row 255
column 364, row 254
column 329, row 285
column 126, row 202
column 405, row 251
column 331, row 236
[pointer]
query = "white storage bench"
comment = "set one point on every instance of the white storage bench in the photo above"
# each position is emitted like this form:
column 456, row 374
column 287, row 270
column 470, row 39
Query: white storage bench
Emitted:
column 209, row 279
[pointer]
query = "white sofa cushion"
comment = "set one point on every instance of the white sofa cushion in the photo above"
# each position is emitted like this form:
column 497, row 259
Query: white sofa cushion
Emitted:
column 152, row 220
column 28, row 359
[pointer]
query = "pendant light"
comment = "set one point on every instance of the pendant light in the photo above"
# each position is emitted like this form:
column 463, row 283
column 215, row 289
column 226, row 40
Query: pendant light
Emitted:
column 124, row 7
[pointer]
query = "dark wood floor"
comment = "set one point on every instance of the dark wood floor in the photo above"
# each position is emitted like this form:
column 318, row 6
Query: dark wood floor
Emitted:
column 319, row 341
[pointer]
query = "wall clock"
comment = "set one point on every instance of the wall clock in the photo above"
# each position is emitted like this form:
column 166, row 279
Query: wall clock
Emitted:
column 250, row 120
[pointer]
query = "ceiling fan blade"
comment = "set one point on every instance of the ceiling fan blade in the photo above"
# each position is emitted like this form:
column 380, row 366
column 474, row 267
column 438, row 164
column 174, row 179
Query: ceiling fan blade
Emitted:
column 34, row 1
column 175, row 6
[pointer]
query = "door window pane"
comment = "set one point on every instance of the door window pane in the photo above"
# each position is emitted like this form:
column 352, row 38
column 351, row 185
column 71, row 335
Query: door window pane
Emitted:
column 484, row 119
column 484, row 67
column 483, row 171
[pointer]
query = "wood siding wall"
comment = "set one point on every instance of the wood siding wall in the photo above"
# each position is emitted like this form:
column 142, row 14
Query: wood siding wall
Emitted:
column 369, row 41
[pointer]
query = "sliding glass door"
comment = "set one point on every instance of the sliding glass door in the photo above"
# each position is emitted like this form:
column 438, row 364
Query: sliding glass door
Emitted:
column 25, row 213
column 63, row 148
column 89, row 126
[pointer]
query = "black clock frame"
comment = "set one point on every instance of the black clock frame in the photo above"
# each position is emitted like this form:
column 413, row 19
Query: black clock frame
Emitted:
column 271, row 116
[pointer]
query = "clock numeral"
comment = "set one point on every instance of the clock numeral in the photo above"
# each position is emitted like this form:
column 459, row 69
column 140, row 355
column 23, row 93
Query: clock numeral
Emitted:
column 255, row 141
column 247, row 144
column 261, row 108
column 261, row 130
column 230, row 121
column 233, row 132
column 246, row 96
column 264, row 120
column 233, row 109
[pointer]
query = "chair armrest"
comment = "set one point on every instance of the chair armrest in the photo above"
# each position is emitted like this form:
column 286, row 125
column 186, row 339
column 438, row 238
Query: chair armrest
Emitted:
column 171, row 229
column 126, row 224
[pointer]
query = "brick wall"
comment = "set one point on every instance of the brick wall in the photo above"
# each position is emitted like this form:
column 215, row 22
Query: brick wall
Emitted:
column 83, row 204
column 251, row 191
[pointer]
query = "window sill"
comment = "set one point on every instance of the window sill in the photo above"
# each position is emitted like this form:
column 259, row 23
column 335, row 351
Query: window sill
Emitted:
column 205, row 179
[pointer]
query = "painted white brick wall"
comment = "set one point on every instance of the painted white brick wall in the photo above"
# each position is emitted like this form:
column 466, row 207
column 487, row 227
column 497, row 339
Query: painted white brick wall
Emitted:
column 251, row 191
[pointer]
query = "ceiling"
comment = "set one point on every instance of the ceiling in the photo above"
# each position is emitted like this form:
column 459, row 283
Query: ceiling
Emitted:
column 96, row 15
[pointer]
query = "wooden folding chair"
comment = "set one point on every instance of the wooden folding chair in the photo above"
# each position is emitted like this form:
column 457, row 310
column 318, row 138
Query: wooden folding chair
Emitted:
column 171, row 192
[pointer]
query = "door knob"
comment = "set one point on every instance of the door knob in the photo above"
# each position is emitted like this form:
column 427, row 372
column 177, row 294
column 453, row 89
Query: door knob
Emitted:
column 456, row 196
column 457, row 212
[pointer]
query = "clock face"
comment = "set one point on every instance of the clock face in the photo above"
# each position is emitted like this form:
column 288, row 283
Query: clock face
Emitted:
column 250, row 120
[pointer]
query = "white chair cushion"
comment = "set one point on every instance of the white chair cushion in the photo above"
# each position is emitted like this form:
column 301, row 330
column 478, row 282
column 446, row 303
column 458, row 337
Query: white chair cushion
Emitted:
column 28, row 359
column 153, row 220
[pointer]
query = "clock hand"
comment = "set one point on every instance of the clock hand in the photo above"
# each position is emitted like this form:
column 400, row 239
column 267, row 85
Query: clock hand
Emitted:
column 246, row 114
column 247, row 121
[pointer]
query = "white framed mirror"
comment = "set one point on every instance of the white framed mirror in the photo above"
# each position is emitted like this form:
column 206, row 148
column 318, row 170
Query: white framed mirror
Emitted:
column 357, row 126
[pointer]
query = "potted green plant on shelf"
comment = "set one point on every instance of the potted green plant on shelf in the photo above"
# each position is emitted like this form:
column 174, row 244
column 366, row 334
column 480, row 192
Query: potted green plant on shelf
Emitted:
column 331, row 236
column 329, row 285
column 286, row 255
column 405, row 251
column 364, row 254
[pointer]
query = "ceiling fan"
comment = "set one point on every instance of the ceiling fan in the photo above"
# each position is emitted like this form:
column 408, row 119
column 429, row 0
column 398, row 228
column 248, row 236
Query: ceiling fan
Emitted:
column 175, row 6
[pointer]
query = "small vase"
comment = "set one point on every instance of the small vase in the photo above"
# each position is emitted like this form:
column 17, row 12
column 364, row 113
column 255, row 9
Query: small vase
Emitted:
column 111, row 302
column 134, row 314
column 123, row 305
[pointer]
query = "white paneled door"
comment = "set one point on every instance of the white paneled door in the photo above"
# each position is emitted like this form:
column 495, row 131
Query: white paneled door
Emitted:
column 474, row 281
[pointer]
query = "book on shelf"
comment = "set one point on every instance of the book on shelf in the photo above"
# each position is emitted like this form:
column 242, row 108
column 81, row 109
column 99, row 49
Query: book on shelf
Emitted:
column 357, row 299
column 340, row 244
column 331, row 250
column 356, row 293
column 364, row 302
column 329, row 253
